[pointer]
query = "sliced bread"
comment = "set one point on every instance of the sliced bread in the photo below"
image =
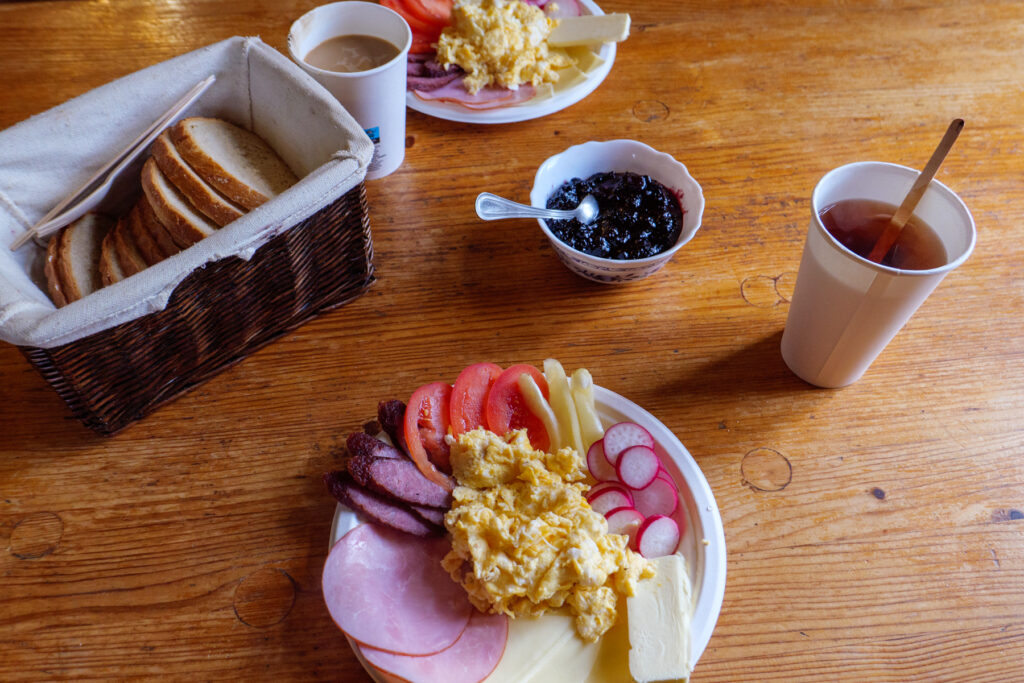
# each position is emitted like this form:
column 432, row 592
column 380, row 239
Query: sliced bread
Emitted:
column 110, row 267
column 142, row 238
column 127, row 252
column 78, row 255
column 53, row 283
column 186, row 225
column 151, row 223
column 210, row 202
column 236, row 162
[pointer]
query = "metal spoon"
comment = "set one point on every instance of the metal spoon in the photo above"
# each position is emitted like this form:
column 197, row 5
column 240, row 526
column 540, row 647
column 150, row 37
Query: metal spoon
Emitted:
column 491, row 207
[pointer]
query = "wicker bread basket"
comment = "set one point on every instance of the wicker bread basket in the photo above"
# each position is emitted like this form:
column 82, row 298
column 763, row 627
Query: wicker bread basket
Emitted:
column 124, row 352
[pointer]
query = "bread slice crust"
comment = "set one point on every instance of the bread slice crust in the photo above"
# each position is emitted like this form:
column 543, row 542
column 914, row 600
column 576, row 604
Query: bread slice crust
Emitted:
column 186, row 225
column 148, row 219
column 78, row 255
column 205, row 198
column 231, row 159
column 127, row 252
column 110, row 267
column 53, row 283
column 142, row 238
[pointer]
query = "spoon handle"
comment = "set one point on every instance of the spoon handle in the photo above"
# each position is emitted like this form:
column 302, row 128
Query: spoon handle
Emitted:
column 491, row 207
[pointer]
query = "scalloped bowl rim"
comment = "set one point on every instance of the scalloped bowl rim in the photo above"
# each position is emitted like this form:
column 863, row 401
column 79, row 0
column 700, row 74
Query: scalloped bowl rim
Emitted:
column 692, row 201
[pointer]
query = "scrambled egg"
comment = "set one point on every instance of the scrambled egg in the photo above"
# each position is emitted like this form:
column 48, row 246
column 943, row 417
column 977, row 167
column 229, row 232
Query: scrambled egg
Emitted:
column 500, row 42
column 525, row 540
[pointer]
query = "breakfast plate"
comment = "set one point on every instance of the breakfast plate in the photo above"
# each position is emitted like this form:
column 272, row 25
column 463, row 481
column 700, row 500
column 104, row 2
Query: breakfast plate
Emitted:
column 703, row 543
column 528, row 110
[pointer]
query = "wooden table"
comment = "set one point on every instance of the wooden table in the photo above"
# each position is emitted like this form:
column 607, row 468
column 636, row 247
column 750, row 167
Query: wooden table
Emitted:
column 874, row 532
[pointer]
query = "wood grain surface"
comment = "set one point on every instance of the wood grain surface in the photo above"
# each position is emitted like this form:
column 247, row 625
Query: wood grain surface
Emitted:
column 874, row 532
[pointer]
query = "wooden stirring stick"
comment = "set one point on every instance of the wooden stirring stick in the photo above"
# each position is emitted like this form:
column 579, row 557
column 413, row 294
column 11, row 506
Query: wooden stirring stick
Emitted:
column 906, row 210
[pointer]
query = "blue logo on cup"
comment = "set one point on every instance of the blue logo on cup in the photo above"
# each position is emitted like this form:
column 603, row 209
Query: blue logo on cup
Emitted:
column 374, row 134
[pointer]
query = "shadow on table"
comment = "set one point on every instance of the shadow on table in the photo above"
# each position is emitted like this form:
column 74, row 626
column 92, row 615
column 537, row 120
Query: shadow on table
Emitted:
column 756, row 370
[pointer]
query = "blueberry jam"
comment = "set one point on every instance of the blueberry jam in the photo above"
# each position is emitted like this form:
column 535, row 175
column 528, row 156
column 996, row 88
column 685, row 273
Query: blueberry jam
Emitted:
column 638, row 217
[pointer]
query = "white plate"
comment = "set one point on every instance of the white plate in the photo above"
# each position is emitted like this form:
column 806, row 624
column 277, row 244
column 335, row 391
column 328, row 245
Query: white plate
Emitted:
column 703, row 544
column 526, row 111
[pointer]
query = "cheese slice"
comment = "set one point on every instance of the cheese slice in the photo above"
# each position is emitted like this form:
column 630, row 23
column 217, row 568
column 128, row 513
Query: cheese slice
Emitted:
column 586, row 59
column 589, row 29
column 659, row 623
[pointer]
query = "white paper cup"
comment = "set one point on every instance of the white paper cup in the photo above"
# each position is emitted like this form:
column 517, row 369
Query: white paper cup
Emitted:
column 845, row 309
column 375, row 97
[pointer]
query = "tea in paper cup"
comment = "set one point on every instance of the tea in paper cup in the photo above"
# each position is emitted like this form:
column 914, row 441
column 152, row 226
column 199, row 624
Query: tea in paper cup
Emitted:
column 845, row 309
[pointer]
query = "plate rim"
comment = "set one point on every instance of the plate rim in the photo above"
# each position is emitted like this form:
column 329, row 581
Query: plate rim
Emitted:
column 708, row 605
column 524, row 112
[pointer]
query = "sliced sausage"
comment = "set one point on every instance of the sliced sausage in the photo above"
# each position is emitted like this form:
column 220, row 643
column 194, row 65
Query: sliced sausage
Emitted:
column 399, row 479
column 387, row 590
column 390, row 513
column 360, row 443
column 391, row 415
column 432, row 515
column 470, row 659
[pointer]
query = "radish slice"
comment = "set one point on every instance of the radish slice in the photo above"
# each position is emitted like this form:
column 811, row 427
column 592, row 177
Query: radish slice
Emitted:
column 658, row 536
column 621, row 436
column 612, row 485
column 598, row 465
column 606, row 501
column 556, row 9
column 660, row 497
column 625, row 521
column 637, row 466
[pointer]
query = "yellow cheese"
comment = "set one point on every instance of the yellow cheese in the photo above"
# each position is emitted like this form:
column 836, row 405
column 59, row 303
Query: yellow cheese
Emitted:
column 659, row 623
column 585, row 58
column 589, row 29
column 545, row 649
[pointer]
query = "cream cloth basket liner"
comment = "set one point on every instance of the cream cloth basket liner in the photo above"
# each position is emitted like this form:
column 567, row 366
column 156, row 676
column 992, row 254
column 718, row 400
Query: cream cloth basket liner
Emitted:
column 46, row 157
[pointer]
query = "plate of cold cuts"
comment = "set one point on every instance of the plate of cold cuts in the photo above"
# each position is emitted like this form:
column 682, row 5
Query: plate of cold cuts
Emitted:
column 407, row 620
column 575, row 83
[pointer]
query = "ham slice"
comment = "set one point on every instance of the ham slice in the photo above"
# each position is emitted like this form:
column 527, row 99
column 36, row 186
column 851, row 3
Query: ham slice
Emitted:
column 387, row 590
column 524, row 93
column 487, row 98
column 470, row 659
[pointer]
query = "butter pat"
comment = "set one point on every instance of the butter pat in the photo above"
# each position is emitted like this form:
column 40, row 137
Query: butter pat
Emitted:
column 659, row 623
column 590, row 29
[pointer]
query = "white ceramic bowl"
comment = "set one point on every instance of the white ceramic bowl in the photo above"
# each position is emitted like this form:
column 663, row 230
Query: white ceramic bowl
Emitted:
column 583, row 161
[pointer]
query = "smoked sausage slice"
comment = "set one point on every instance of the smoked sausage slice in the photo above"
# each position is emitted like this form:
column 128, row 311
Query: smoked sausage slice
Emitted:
column 399, row 479
column 360, row 443
column 389, row 512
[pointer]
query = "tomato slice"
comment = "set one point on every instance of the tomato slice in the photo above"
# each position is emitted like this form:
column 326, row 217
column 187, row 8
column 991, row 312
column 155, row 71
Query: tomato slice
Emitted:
column 421, row 46
column 420, row 28
column 434, row 11
column 469, row 397
column 507, row 409
column 426, row 423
